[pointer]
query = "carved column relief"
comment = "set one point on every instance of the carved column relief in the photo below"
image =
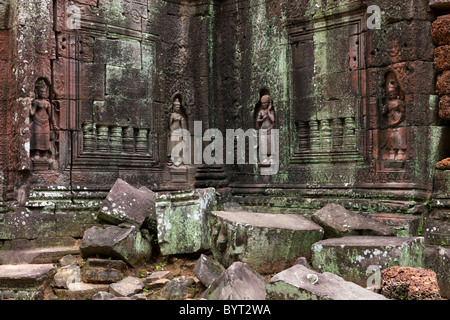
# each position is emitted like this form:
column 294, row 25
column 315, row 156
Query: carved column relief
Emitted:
column 103, row 138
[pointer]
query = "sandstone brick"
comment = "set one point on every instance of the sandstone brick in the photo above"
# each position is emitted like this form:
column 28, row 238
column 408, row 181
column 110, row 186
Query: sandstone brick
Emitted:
column 404, row 283
column 442, row 58
column 443, row 83
column 444, row 107
column 440, row 4
column 440, row 31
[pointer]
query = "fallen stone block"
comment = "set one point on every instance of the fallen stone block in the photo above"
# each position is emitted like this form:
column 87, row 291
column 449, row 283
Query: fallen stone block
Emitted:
column 103, row 271
column 238, row 282
column 158, row 276
column 26, row 281
column 36, row 255
column 67, row 275
column 80, row 291
column 267, row 243
column 207, row 270
column 183, row 220
column 181, row 288
column 127, row 287
column 339, row 222
column 356, row 258
column 440, row 30
column 302, row 283
column 125, row 242
column 103, row 295
column 127, row 204
column 403, row 283
column 404, row 226
column 438, row 260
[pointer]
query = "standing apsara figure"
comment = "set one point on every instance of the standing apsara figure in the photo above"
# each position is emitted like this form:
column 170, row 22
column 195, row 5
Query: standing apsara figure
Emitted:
column 42, row 120
column 176, row 122
column 265, row 120
column 395, row 109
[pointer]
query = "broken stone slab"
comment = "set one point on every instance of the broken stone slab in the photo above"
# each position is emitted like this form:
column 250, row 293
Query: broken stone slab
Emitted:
column 25, row 281
column 402, row 283
column 356, row 258
column 208, row 269
column 123, row 242
column 440, row 4
column 70, row 259
column 339, row 222
column 103, row 271
column 238, row 282
column 80, row 291
column 36, row 255
column 183, row 220
column 177, row 289
column 302, row 283
column 67, row 275
column 127, row 287
column 103, row 295
column 127, row 204
column 267, row 243
column 438, row 260
column 404, row 226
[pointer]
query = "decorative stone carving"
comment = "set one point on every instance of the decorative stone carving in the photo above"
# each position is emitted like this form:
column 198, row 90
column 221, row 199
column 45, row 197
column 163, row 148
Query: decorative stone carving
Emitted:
column 42, row 115
column 177, row 122
column 394, row 113
column 265, row 120
column 104, row 138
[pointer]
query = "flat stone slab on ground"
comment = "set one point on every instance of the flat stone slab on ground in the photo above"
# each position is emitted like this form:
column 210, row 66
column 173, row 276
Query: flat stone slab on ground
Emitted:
column 355, row 257
column 25, row 275
column 25, row 282
column 267, row 243
column 127, row 287
column 338, row 222
column 37, row 255
column 238, row 282
column 302, row 283
column 80, row 291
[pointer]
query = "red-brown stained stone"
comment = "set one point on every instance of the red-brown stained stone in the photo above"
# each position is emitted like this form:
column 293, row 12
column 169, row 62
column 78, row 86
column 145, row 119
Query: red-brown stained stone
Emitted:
column 443, row 83
column 440, row 31
column 443, row 165
column 405, row 283
column 442, row 58
column 444, row 108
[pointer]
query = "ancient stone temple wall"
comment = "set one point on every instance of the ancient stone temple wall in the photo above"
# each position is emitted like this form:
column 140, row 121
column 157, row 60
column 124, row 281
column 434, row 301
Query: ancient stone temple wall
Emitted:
column 93, row 90
column 356, row 106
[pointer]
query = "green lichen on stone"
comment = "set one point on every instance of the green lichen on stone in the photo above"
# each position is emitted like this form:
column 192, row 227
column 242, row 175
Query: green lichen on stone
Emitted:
column 284, row 291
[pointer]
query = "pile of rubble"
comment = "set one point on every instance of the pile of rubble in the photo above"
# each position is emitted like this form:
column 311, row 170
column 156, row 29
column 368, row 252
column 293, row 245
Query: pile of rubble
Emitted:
column 243, row 255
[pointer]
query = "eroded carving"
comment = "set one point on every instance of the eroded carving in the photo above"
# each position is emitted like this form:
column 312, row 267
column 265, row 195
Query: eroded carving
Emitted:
column 394, row 112
column 43, row 124
column 177, row 122
column 265, row 121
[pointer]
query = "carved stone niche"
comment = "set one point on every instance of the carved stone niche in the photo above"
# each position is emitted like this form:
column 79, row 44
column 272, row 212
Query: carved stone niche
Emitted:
column 394, row 144
column 327, row 106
